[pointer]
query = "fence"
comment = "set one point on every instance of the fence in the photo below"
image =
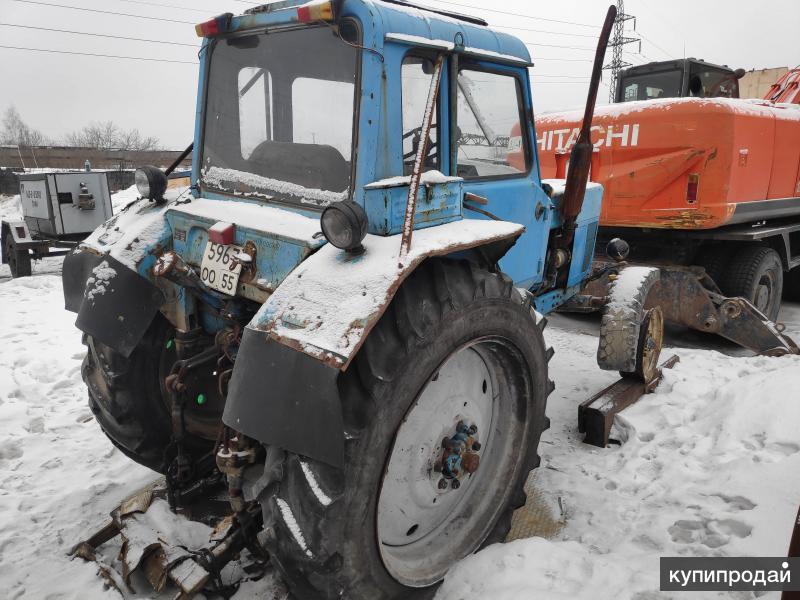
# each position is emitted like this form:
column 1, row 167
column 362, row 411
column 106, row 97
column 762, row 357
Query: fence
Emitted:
column 119, row 164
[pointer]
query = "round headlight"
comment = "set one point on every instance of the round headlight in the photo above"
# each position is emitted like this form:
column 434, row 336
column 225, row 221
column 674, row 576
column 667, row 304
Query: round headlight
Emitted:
column 618, row 249
column 151, row 182
column 344, row 224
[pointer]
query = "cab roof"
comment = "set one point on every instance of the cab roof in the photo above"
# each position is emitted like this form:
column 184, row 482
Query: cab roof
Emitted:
column 397, row 19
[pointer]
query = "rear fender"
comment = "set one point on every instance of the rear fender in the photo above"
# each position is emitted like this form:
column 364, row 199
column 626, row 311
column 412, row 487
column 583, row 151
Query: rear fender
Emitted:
column 107, row 280
column 283, row 390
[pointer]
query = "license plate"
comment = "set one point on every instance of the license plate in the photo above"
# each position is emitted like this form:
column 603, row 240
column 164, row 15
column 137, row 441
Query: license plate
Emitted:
column 219, row 270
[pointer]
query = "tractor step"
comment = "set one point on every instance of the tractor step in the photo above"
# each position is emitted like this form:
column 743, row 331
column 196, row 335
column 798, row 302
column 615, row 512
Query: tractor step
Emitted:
column 596, row 415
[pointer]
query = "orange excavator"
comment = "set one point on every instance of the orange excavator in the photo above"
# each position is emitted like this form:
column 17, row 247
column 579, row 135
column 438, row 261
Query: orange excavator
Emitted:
column 694, row 176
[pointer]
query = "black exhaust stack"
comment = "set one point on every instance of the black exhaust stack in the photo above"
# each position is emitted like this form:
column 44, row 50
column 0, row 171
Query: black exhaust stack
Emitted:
column 581, row 156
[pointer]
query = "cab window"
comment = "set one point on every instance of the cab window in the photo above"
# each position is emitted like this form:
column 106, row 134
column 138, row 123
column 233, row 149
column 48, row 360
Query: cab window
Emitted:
column 416, row 74
column 489, row 125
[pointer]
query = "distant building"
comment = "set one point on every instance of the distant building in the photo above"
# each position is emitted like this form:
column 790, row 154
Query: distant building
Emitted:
column 755, row 83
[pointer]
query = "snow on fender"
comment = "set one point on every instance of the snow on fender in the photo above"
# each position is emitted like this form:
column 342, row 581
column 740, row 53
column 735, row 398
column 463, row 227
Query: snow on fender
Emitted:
column 328, row 304
column 622, row 318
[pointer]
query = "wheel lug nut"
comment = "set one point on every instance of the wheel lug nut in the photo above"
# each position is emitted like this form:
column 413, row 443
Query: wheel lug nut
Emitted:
column 443, row 483
column 455, row 484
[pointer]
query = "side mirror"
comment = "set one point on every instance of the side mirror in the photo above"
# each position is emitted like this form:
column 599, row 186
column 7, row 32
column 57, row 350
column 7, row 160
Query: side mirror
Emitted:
column 739, row 73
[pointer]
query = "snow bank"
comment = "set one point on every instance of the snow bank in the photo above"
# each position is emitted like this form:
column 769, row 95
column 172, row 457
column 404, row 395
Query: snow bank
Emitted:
column 710, row 466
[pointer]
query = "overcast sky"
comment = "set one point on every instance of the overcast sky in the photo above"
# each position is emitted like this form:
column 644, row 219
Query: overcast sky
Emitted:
column 58, row 93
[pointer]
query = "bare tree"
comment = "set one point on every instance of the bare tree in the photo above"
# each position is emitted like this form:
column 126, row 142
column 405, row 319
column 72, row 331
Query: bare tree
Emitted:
column 107, row 135
column 16, row 132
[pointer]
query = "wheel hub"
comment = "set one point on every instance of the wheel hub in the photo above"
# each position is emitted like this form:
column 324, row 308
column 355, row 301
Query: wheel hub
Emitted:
column 458, row 456
column 762, row 296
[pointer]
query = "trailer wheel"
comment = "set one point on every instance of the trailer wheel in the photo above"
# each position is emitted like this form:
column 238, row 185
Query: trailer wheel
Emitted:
column 756, row 274
column 19, row 260
column 458, row 350
column 128, row 398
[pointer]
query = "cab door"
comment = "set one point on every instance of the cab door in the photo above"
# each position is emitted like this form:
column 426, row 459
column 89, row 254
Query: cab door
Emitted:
column 493, row 152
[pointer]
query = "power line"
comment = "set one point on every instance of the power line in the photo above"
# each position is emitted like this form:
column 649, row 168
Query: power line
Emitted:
column 652, row 43
column 165, row 60
column 142, row 2
column 557, row 46
column 586, row 35
column 562, row 76
column 538, row 58
column 103, row 35
column 105, row 12
column 513, row 14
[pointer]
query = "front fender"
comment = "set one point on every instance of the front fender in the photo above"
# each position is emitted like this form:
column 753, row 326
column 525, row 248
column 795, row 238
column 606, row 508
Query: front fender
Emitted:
column 283, row 389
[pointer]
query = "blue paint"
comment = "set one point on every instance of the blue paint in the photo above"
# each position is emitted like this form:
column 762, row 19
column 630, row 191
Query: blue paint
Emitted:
column 379, row 155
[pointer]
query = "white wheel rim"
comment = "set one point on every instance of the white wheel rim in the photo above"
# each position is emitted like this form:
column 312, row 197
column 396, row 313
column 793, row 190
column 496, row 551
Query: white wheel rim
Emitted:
column 421, row 527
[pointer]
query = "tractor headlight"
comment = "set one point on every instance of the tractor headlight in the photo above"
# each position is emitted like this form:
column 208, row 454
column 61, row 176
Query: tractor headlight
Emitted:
column 344, row 224
column 151, row 183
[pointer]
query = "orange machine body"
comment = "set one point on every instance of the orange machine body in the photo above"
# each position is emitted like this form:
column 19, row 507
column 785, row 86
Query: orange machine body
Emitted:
column 684, row 163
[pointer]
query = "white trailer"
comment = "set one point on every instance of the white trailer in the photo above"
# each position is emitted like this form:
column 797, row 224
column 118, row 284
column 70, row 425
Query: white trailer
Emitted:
column 58, row 209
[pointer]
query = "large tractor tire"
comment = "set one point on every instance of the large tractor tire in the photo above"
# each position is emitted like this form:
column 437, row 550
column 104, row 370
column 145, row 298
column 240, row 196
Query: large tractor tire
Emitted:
column 128, row 397
column 755, row 273
column 457, row 347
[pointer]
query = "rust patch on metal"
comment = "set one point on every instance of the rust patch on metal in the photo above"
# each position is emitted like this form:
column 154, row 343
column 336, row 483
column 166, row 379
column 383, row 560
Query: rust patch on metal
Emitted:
column 596, row 415
column 685, row 219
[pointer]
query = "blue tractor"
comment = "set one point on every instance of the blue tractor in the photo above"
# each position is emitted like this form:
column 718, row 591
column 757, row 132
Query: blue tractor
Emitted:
column 343, row 314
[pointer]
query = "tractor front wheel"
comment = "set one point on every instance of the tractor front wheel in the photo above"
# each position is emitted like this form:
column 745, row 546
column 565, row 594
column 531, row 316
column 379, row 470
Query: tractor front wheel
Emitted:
column 444, row 406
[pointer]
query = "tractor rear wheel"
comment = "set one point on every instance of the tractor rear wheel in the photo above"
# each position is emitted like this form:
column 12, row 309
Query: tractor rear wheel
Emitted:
column 456, row 359
column 755, row 273
column 129, row 399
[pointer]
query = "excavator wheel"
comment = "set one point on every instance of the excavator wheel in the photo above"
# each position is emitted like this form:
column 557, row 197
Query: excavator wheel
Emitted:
column 651, row 341
column 715, row 259
column 791, row 285
column 456, row 367
column 756, row 274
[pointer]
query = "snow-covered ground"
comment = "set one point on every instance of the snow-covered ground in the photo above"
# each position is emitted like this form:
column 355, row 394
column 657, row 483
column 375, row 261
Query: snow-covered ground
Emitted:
column 709, row 465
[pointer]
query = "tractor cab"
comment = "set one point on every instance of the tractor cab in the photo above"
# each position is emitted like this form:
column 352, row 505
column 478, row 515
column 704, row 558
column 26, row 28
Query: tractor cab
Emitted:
column 683, row 78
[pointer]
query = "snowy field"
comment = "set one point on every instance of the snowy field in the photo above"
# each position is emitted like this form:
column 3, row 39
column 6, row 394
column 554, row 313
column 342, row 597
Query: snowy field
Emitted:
column 709, row 465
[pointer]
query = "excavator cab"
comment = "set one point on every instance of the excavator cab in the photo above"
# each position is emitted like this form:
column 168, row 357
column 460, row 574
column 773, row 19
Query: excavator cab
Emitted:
column 683, row 78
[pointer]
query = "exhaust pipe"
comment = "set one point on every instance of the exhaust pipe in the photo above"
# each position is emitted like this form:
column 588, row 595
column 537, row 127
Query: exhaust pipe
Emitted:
column 581, row 156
